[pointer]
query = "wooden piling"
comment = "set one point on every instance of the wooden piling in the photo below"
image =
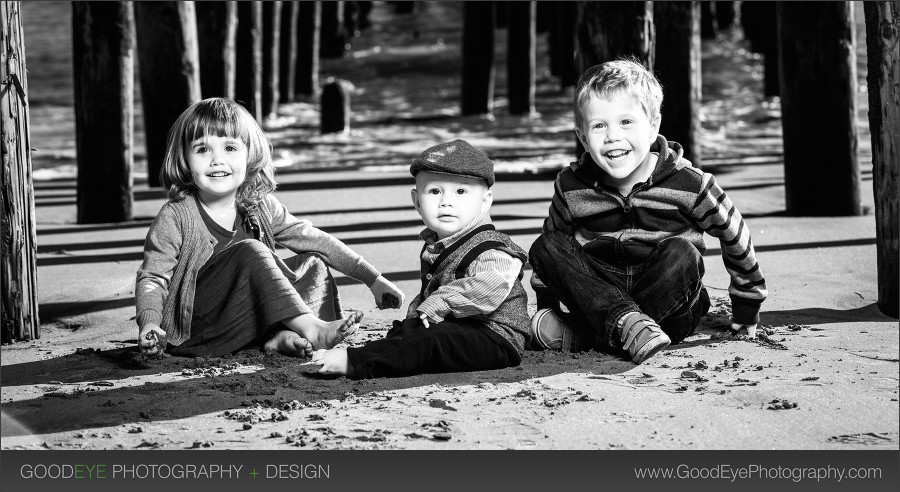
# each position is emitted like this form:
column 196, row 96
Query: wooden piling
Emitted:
column 818, row 107
column 169, row 67
column 678, row 69
column 520, row 66
column 216, row 38
column 18, row 256
column 103, row 70
column 335, row 106
column 883, row 79
column 309, row 23
column 478, row 71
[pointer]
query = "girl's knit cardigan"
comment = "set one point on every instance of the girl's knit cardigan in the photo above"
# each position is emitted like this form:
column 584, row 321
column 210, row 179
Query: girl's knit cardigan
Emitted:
column 179, row 243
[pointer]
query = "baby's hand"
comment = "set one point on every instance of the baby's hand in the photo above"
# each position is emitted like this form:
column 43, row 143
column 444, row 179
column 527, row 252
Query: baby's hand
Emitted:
column 751, row 329
column 148, row 339
column 424, row 318
column 411, row 310
column 387, row 295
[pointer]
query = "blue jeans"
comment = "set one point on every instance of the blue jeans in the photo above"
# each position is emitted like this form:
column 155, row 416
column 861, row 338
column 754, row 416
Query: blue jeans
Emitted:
column 667, row 286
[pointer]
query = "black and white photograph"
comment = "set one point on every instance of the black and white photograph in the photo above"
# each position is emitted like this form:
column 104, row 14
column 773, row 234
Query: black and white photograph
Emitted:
column 450, row 226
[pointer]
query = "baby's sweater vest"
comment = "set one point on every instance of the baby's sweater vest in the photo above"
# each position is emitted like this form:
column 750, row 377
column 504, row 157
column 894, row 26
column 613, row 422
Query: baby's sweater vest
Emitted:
column 510, row 320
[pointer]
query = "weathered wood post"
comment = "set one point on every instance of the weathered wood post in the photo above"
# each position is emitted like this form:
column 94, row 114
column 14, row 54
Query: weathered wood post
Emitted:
column 608, row 30
column 818, row 100
column 309, row 23
column 335, row 106
column 707, row 20
column 751, row 23
column 758, row 21
column 169, row 67
column 287, row 64
column 678, row 69
column 562, row 42
column 769, row 44
column 543, row 17
column 501, row 21
column 271, row 54
column 520, row 62
column 478, row 71
column 551, row 9
column 103, row 69
column 404, row 7
column 363, row 10
column 332, row 37
column 216, row 37
column 18, row 282
column 883, row 80
column 724, row 15
column 248, row 63
column 351, row 19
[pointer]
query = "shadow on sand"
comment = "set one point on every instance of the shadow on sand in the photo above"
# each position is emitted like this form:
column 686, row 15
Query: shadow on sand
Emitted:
column 279, row 382
column 821, row 316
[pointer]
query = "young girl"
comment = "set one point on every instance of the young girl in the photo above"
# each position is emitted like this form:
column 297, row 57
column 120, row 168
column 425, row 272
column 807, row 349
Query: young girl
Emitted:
column 211, row 282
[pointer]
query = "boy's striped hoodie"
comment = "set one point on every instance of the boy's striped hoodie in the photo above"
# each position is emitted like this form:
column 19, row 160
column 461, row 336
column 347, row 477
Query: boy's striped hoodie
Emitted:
column 677, row 200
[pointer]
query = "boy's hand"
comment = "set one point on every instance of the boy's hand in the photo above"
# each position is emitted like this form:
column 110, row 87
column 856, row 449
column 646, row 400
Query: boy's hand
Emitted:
column 424, row 318
column 387, row 295
column 148, row 339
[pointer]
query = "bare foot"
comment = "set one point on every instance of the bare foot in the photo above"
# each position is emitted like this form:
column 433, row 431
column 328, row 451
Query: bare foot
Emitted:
column 289, row 343
column 333, row 361
column 334, row 332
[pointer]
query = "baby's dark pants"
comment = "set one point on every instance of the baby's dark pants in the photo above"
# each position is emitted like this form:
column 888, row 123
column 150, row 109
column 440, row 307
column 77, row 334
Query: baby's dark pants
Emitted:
column 453, row 345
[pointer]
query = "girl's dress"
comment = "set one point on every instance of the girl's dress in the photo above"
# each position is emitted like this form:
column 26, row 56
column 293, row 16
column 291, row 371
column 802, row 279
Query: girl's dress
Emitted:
column 215, row 291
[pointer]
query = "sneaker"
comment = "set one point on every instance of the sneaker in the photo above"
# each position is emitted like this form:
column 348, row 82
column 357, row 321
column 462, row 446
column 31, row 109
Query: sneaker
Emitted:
column 642, row 337
column 547, row 329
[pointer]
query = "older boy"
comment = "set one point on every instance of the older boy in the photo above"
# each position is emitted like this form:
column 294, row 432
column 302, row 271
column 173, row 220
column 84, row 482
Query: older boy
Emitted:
column 622, row 246
column 471, row 311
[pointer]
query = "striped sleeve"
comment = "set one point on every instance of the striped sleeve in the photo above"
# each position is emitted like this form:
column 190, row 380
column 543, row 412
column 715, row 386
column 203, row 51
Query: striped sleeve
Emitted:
column 717, row 216
column 488, row 281
column 559, row 218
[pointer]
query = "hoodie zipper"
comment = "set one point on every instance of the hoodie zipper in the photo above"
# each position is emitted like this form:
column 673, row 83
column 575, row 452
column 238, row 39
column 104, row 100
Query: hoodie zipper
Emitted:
column 626, row 207
column 626, row 200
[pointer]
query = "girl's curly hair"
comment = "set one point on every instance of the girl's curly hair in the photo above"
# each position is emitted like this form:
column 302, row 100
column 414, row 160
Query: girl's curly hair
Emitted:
column 221, row 117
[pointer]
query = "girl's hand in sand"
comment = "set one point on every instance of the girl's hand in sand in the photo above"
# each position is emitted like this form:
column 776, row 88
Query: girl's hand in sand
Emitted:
column 148, row 339
column 387, row 295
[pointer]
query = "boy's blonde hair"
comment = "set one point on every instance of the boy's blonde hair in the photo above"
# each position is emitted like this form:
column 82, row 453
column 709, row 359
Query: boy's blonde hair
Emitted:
column 625, row 75
column 221, row 117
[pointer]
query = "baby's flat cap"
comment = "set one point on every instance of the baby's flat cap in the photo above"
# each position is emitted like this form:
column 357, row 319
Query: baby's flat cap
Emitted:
column 459, row 158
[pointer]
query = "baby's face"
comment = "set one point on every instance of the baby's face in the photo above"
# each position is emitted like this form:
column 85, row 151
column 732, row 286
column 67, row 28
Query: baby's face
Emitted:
column 618, row 134
column 448, row 203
